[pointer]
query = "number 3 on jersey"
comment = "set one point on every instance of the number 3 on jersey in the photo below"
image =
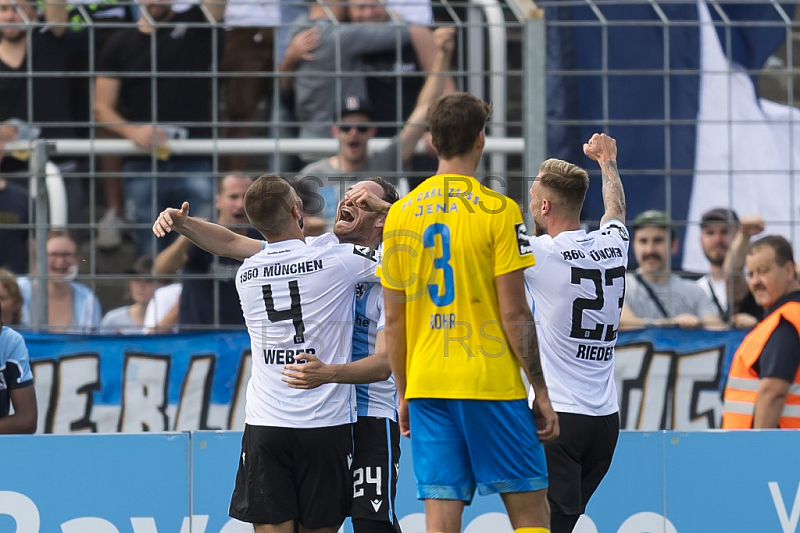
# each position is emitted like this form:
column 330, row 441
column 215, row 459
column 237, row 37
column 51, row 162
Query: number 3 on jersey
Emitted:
column 441, row 262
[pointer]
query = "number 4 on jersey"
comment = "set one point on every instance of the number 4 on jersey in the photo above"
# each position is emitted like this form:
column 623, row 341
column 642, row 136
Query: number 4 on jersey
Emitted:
column 294, row 313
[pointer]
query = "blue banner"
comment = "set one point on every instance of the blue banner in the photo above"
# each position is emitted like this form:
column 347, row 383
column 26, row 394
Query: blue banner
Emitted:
column 667, row 378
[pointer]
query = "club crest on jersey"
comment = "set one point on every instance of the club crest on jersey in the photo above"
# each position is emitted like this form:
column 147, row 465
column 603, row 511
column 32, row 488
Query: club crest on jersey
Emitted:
column 619, row 228
column 365, row 251
column 361, row 291
column 523, row 246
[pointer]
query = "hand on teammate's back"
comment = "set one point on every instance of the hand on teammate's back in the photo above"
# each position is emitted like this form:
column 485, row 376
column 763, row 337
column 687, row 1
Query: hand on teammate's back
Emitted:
column 600, row 148
column 308, row 375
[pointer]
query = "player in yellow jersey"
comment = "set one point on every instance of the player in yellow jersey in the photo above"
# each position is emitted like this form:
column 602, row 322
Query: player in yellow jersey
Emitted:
column 458, row 329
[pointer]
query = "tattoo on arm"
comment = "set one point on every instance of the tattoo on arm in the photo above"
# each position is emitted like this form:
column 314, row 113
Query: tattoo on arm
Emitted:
column 613, row 193
column 530, row 343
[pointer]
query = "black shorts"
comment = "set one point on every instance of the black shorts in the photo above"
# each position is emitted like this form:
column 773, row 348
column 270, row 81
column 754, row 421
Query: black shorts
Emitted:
column 578, row 459
column 294, row 474
column 376, row 464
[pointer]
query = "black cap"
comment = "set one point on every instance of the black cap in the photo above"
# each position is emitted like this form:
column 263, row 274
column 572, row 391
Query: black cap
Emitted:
column 356, row 104
column 719, row 214
column 143, row 265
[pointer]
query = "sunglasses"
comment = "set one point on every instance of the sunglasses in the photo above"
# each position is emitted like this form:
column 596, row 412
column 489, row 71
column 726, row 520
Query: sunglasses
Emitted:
column 347, row 128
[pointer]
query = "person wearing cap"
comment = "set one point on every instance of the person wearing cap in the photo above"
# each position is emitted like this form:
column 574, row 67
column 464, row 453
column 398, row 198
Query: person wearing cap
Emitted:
column 353, row 132
column 718, row 228
column 654, row 296
column 764, row 378
column 129, row 319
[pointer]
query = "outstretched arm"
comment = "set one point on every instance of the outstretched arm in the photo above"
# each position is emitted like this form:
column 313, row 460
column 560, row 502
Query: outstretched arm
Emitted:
column 434, row 86
column 603, row 149
column 209, row 236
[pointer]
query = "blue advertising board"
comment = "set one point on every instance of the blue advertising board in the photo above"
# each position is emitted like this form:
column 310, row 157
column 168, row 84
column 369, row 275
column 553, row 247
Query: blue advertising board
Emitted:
column 659, row 482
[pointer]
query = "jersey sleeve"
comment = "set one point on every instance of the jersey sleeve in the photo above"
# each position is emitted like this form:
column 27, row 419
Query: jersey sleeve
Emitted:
column 18, row 363
column 618, row 233
column 541, row 248
column 360, row 262
column 391, row 262
column 512, row 249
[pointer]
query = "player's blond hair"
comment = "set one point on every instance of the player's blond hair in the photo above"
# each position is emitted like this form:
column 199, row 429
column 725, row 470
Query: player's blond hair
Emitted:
column 569, row 182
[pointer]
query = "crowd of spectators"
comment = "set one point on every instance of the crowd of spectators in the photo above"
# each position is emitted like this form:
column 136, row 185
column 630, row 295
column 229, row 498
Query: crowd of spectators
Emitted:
column 327, row 67
column 153, row 71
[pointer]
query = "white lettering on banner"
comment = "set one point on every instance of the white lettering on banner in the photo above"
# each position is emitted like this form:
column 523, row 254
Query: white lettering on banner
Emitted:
column 196, row 395
column 78, row 376
column 21, row 509
column 88, row 523
column 144, row 393
column 647, row 522
column 236, row 415
column 788, row 523
column 658, row 389
column 668, row 390
column 696, row 403
column 44, row 371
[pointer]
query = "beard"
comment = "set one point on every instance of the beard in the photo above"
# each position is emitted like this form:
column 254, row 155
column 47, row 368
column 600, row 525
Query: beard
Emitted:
column 12, row 37
column 539, row 229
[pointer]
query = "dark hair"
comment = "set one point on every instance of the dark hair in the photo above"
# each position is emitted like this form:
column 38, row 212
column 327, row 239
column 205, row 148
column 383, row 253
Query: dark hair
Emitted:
column 782, row 248
column 61, row 232
column 389, row 192
column 268, row 203
column 455, row 122
column 570, row 182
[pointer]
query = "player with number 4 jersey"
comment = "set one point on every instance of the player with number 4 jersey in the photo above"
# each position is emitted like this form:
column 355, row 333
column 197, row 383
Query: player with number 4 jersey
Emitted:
column 577, row 287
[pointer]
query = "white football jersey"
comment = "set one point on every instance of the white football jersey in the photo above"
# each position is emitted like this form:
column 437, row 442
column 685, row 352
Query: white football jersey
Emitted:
column 298, row 298
column 577, row 288
column 372, row 399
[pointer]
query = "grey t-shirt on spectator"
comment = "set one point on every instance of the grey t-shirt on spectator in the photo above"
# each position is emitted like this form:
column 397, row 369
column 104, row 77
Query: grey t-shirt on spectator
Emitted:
column 118, row 321
column 383, row 164
column 677, row 296
column 316, row 90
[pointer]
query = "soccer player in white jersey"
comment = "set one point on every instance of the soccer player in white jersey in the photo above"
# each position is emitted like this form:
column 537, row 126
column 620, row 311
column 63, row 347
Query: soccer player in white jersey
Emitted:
column 297, row 445
column 360, row 217
column 577, row 286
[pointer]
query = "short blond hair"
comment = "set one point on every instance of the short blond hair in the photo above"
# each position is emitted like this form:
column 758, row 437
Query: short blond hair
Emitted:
column 570, row 182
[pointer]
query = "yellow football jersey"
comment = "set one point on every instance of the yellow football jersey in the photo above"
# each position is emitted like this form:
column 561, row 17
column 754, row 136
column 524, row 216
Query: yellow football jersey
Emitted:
column 444, row 245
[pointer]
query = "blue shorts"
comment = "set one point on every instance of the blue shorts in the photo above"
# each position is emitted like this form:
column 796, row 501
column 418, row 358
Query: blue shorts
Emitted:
column 460, row 444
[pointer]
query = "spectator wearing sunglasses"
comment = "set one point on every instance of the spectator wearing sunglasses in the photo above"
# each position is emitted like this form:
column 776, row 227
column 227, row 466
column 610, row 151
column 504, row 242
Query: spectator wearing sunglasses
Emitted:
column 330, row 177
